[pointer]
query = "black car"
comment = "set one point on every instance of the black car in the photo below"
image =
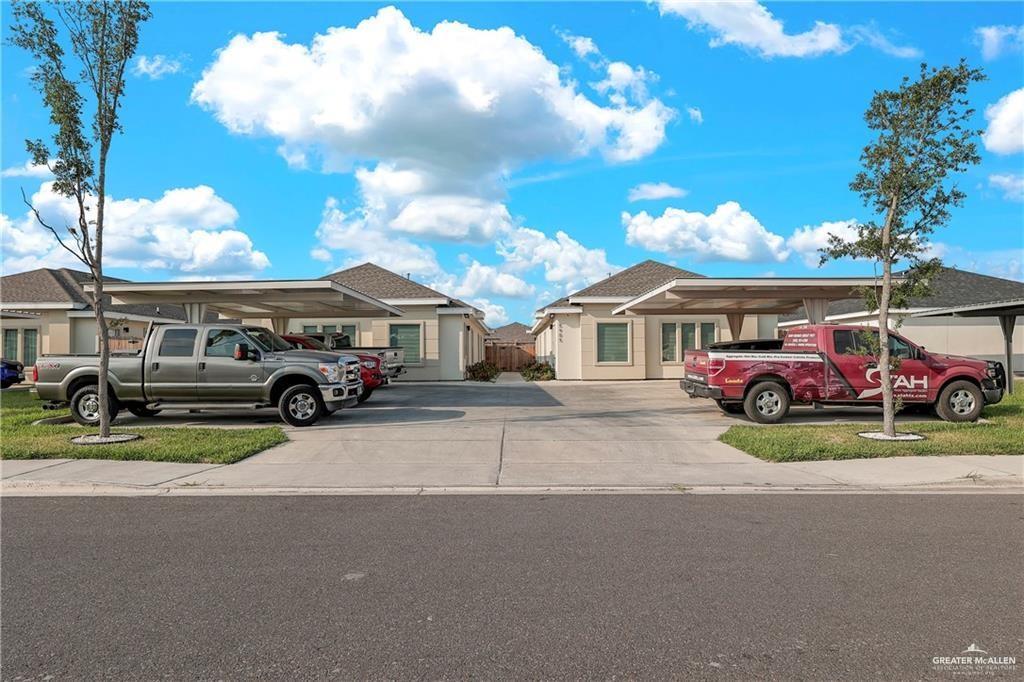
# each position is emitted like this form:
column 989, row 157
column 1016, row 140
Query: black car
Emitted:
column 11, row 372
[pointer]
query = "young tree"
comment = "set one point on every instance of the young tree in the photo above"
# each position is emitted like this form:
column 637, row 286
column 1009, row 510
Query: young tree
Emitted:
column 83, row 100
column 924, row 139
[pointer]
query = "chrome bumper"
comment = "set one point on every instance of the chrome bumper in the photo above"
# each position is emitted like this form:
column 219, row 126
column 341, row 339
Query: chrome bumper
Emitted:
column 345, row 394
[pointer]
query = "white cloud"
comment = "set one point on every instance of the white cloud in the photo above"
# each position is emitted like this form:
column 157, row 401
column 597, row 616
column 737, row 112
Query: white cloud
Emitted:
column 655, row 190
column 155, row 67
column 996, row 41
column 749, row 24
column 566, row 262
column 495, row 315
column 695, row 114
column 321, row 254
column 1005, row 132
column 187, row 231
column 1011, row 184
column 581, row 45
column 729, row 233
column 870, row 34
column 808, row 240
column 27, row 170
column 432, row 122
column 622, row 79
column 484, row 280
column 1007, row 262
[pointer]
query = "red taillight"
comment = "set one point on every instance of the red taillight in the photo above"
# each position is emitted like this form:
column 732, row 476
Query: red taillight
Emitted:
column 715, row 365
column 35, row 374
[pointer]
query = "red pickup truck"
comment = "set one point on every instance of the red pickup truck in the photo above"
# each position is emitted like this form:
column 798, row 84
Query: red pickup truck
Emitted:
column 828, row 364
column 370, row 370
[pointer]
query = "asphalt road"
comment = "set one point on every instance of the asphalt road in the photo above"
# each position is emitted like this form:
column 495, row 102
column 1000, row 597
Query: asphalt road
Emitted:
column 785, row 586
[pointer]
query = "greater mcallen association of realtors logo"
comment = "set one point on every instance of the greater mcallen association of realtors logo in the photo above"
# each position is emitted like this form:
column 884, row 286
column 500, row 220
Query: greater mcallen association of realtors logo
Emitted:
column 974, row 661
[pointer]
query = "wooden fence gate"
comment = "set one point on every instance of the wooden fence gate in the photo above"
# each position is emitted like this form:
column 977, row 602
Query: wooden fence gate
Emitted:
column 510, row 357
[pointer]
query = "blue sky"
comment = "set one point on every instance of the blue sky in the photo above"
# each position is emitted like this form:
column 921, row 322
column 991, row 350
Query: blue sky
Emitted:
column 499, row 165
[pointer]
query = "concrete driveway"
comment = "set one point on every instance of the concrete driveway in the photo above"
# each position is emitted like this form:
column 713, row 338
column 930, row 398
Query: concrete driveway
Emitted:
column 546, row 434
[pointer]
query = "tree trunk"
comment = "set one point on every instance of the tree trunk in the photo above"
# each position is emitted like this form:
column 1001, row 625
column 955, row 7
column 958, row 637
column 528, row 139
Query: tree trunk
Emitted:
column 103, row 333
column 888, row 408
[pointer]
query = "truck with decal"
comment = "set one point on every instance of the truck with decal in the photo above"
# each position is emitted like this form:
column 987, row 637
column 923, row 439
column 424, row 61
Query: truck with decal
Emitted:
column 828, row 364
column 205, row 367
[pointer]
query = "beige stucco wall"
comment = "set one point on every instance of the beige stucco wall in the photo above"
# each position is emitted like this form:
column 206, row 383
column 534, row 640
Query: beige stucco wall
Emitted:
column 567, row 339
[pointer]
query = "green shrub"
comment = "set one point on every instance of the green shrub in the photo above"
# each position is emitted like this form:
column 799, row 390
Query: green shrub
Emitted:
column 538, row 371
column 482, row 371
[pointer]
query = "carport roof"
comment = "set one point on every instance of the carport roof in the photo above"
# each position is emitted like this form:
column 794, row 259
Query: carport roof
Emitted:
column 257, row 298
column 750, row 295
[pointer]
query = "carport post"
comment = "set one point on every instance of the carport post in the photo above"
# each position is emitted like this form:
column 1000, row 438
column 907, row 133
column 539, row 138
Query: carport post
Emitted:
column 817, row 309
column 280, row 324
column 195, row 313
column 735, row 324
column 1007, row 322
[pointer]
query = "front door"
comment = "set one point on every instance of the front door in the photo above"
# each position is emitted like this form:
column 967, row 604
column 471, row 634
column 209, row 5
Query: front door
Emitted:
column 221, row 377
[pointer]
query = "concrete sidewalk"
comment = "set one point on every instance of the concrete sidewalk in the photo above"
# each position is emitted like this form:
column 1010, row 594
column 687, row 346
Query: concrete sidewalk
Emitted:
column 516, row 436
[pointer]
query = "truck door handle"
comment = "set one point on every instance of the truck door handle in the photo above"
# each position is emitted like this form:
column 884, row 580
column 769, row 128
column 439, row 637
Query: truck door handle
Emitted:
column 156, row 366
column 202, row 366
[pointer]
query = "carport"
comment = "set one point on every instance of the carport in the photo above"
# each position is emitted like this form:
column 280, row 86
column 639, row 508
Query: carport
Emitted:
column 1006, row 311
column 737, row 297
column 276, row 300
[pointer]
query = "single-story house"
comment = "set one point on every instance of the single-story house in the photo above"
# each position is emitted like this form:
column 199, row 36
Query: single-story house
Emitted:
column 441, row 335
column 48, row 311
column 513, row 332
column 979, row 337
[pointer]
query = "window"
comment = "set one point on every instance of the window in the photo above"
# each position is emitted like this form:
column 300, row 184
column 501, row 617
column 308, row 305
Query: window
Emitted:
column 612, row 342
column 178, row 343
column 668, row 342
column 10, row 344
column 220, row 343
column 845, row 341
column 349, row 330
column 689, row 335
column 407, row 337
column 309, row 329
column 898, row 348
column 707, row 334
column 31, row 346
column 330, row 328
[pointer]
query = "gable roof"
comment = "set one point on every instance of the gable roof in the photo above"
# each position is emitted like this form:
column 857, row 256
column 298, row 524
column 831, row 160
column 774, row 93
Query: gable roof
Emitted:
column 64, row 285
column 513, row 332
column 378, row 282
column 950, row 287
column 631, row 282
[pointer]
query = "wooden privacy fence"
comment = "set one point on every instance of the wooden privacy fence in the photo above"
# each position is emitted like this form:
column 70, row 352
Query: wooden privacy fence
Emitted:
column 510, row 357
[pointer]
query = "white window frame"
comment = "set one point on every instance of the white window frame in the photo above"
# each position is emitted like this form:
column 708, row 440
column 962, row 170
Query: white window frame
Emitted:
column 21, row 346
column 700, row 337
column 679, row 343
column 629, row 342
column 423, row 340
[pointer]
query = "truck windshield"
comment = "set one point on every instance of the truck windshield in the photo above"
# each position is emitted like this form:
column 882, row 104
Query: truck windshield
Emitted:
column 267, row 340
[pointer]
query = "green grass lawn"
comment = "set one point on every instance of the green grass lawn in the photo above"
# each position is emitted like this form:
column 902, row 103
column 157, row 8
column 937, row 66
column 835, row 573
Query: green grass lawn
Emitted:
column 19, row 439
column 1004, row 435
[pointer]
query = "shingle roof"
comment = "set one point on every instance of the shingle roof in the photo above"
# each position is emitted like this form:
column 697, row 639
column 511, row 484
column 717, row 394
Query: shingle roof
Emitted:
column 514, row 332
column 950, row 287
column 64, row 285
column 633, row 281
column 636, row 280
column 377, row 282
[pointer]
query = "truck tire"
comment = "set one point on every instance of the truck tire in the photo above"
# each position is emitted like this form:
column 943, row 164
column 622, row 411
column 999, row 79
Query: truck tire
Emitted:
column 143, row 411
column 729, row 408
column 960, row 401
column 767, row 402
column 364, row 396
column 85, row 405
column 301, row 405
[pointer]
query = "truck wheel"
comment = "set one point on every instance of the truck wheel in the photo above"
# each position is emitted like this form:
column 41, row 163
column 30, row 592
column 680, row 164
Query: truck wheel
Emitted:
column 729, row 408
column 85, row 405
column 960, row 401
column 364, row 396
column 767, row 402
column 143, row 411
column 301, row 405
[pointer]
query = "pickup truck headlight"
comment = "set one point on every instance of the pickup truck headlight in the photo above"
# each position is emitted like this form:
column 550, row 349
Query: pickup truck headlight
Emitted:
column 330, row 371
column 370, row 364
column 991, row 370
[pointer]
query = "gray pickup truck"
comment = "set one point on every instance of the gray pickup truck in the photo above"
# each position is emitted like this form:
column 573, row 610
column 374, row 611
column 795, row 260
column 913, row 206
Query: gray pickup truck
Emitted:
column 205, row 367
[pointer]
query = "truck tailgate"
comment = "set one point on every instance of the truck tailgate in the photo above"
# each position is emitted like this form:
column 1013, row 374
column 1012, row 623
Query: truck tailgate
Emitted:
column 695, row 364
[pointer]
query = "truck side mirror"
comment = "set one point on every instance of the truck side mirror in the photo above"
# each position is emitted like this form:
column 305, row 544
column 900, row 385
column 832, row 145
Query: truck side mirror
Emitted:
column 241, row 351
